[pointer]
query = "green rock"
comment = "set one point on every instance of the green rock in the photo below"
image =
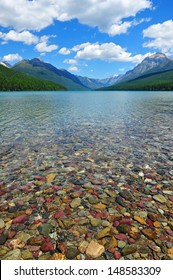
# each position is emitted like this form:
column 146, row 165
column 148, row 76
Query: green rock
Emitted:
column 72, row 253
column 13, row 255
column 44, row 257
column 106, row 224
column 95, row 222
column 2, row 224
column 75, row 202
column 4, row 250
column 129, row 249
column 92, row 199
column 121, row 244
column 23, row 236
column 68, row 223
column 104, row 232
column 27, row 255
column 160, row 198
column 45, row 229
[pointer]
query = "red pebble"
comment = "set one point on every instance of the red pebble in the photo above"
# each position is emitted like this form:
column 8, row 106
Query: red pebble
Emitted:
column 40, row 178
column 126, row 221
column 33, row 248
column 94, row 193
column 150, row 223
column 89, row 234
column 21, row 219
column 105, row 215
column 59, row 214
column 121, row 236
column 11, row 234
column 141, row 205
column 48, row 199
column 131, row 241
column 111, row 250
column 92, row 213
column 98, row 215
column 117, row 255
column 46, row 247
column 68, row 213
column 133, row 205
column 36, row 254
column 116, row 223
column 170, row 232
column 39, row 221
column 56, row 188
column 171, row 198
column 24, row 188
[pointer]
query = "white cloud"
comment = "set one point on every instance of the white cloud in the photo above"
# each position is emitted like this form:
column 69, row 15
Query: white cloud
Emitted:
column 70, row 61
column 12, row 57
column 74, row 69
column 43, row 46
column 64, row 51
column 117, row 29
column 161, row 35
column 107, row 52
column 26, row 37
column 80, row 47
column 109, row 16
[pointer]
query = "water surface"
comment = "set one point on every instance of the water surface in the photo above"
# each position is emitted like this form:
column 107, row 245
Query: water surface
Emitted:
column 125, row 127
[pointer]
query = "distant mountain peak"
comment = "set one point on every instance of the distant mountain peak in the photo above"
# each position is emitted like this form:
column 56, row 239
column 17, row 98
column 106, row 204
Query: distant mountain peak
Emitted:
column 36, row 59
column 36, row 67
column 158, row 54
column 151, row 64
column 5, row 64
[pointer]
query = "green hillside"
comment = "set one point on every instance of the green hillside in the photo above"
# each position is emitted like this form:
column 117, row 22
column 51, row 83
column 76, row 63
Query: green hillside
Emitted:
column 11, row 80
column 154, row 81
column 47, row 72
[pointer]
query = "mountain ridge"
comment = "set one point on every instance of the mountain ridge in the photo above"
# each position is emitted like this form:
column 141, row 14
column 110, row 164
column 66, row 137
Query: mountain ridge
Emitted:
column 11, row 80
column 150, row 74
column 46, row 71
column 152, row 66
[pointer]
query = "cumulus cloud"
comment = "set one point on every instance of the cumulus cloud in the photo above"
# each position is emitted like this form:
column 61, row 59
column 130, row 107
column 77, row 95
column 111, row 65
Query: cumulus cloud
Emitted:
column 74, row 69
column 43, row 46
column 117, row 29
column 106, row 52
column 64, row 51
column 26, row 37
column 161, row 36
column 109, row 16
column 12, row 57
column 70, row 61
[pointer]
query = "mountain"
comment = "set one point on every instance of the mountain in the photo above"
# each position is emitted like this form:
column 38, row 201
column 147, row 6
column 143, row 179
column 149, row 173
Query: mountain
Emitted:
column 11, row 80
column 152, row 64
column 155, row 81
column 6, row 64
column 153, row 73
column 97, row 83
column 40, row 69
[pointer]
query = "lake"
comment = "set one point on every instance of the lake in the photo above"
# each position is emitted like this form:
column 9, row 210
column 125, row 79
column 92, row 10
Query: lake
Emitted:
column 140, row 123
column 114, row 146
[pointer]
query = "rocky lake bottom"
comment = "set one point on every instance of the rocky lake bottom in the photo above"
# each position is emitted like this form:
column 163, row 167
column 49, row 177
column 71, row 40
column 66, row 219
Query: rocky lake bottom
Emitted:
column 86, row 176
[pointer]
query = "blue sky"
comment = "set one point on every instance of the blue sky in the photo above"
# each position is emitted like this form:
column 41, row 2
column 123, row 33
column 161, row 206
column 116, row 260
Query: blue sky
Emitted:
column 94, row 38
